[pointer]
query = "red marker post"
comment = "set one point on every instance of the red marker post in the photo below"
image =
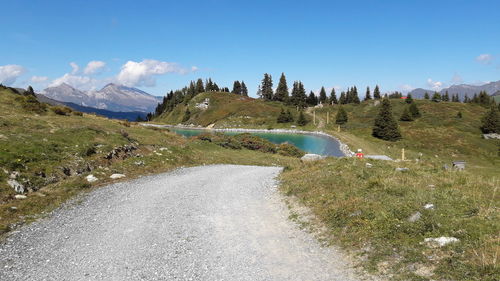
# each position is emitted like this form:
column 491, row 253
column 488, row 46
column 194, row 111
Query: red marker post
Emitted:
column 360, row 154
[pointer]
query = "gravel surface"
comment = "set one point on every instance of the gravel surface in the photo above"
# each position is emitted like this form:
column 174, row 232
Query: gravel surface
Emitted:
column 221, row 222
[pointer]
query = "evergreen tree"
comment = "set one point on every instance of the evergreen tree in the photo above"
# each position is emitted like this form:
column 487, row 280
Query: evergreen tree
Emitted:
column 376, row 93
column 333, row 97
column 415, row 113
column 244, row 89
column 491, row 121
column 368, row 95
column 298, row 97
column 209, row 85
column 302, row 119
column 312, row 100
column 187, row 115
column 199, row 86
column 445, row 97
column 426, row 96
column 341, row 117
column 267, row 87
column 282, row 118
column 30, row 91
column 322, row 95
column 406, row 116
column 354, row 95
column 385, row 126
column 409, row 99
column 475, row 99
column 289, row 115
column 436, row 97
column 282, row 90
column 342, row 99
column 236, row 88
column 466, row 99
column 459, row 115
column 484, row 99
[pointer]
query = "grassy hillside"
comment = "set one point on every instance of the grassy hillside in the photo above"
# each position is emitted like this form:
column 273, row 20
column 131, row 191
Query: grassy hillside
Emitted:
column 54, row 152
column 228, row 110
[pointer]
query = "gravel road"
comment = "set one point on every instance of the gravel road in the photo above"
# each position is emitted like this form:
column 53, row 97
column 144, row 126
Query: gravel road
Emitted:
column 221, row 222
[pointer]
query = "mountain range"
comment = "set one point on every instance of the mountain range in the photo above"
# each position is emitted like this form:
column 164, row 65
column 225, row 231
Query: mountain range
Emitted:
column 491, row 88
column 112, row 97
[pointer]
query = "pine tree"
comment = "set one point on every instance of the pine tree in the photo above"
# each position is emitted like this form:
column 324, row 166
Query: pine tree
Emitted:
column 282, row 118
column 322, row 95
column 415, row 113
column 333, row 97
column 466, row 99
column 406, row 116
column 426, row 96
column 376, row 93
column 282, row 90
column 445, row 97
column 236, row 88
column 385, row 126
column 302, row 119
column 368, row 95
column 30, row 91
column 199, row 86
column 289, row 115
column 491, row 121
column 341, row 117
column 312, row 100
column 244, row 89
column 342, row 99
column 484, row 99
column 436, row 97
column 298, row 97
column 354, row 95
column 409, row 99
column 267, row 87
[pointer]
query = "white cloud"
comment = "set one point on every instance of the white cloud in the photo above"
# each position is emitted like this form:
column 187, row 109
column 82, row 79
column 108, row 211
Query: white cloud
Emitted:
column 39, row 79
column 9, row 73
column 77, row 81
column 143, row 73
column 94, row 67
column 457, row 79
column 75, row 67
column 435, row 85
column 406, row 88
column 484, row 58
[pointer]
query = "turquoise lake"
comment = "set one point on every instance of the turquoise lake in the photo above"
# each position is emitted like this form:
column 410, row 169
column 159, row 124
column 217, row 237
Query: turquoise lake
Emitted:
column 316, row 144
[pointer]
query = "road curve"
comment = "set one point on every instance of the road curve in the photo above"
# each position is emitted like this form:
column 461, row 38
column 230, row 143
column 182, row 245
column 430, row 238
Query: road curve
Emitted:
column 221, row 222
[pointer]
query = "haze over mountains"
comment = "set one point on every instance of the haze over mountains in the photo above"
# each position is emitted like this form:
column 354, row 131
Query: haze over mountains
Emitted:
column 463, row 89
column 111, row 97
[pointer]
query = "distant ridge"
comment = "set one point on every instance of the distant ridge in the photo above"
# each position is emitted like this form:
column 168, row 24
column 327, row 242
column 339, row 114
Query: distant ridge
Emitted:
column 463, row 89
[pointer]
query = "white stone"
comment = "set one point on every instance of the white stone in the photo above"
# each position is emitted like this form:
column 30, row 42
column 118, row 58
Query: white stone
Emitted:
column 429, row 206
column 368, row 165
column 91, row 178
column 116, row 176
column 415, row 217
column 19, row 188
column 19, row 196
column 440, row 241
column 311, row 157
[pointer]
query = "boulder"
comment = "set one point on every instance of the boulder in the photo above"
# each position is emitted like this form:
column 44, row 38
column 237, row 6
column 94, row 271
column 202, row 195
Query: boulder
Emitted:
column 440, row 241
column 18, row 187
column 415, row 217
column 311, row 157
column 116, row 176
column 19, row 196
column 402, row 169
column 429, row 206
column 91, row 178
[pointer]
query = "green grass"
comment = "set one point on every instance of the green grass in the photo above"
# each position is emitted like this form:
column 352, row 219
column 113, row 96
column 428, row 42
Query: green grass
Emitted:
column 366, row 210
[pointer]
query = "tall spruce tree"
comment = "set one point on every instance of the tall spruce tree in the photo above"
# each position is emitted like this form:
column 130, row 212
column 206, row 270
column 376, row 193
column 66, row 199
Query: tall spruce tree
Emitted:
column 312, row 100
column 236, row 88
column 354, row 95
column 342, row 99
column 322, row 95
column 244, row 89
column 426, row 96
column 199, row 86
column 385, row 126
column 436, row 97
column 298, row 97
column 466, row 99
column 445, row 97
column 376, row 93
column 341, row 118
column 333, row 97
column 266, row 87
column 282, row 90
column 368, row 96
column 490, row 123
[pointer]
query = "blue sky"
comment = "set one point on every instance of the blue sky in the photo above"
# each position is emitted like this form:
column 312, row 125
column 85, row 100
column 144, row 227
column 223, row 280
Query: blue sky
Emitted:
column 162, row 45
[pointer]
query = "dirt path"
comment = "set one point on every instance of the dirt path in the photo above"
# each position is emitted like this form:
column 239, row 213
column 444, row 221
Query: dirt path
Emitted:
column 222, row 222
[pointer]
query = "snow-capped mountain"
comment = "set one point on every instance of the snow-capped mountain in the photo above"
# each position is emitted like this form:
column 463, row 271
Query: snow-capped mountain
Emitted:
column 112, row 97
column 461, row 90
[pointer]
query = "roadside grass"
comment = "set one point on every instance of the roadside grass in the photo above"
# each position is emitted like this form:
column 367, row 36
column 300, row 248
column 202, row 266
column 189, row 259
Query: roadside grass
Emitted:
column 53, row 152
column 366, row 210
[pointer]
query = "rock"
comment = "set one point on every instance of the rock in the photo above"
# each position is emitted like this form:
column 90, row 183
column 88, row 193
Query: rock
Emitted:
column 164, row 148
column 491, row 136
column 415, row 217
column 203, row 105
column 66, row 171
column 14, row 175
column 311, row 157
column 402, row 169
column 431, row 186
column 116, row 176
column 210, row 126
column 293, row 126
column 91, row 178
column 440, row 241
column 429, row 206
column 139, row 163
column 19, row 188
column 19, row 196
column 368, row 165
column 378, row 157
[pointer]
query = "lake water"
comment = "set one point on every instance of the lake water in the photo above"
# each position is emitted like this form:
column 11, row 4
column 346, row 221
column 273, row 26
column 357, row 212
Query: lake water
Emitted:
column 316, row 144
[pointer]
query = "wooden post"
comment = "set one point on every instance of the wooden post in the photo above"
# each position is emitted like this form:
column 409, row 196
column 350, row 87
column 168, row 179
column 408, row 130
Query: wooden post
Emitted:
column 327, row 117
column 338, row 128
column 314, row 117
column 403, row 154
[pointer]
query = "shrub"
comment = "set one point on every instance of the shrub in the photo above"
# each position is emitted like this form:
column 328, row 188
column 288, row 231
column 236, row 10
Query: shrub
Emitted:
column 61, row 110
column 287, row 149
column 256, row 143
column 31, row 104
column 77, row 113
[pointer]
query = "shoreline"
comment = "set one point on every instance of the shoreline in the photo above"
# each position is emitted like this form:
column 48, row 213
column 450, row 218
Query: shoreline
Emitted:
column 344, row 148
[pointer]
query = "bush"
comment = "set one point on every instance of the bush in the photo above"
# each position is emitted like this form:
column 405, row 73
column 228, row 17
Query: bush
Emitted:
column 255, row 143
column 77, row 113
column 287, row 149
column 31, row 104
column 61, row 110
